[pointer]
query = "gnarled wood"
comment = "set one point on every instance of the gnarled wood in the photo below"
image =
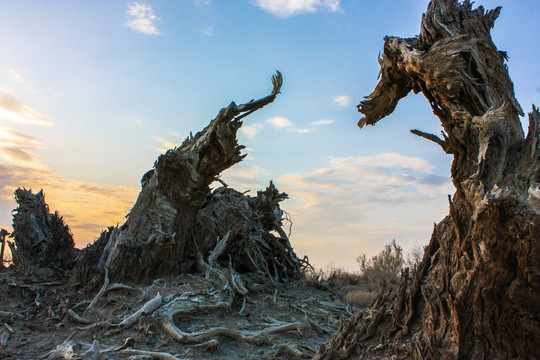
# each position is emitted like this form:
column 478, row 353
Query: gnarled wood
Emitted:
column 165, row 229
column 475, row 293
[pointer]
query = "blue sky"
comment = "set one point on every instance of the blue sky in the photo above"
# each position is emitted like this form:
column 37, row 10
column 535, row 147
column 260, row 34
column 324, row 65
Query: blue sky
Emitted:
column 92, row 92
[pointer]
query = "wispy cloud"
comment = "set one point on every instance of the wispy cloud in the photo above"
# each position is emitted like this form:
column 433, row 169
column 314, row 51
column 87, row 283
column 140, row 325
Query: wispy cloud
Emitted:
column 208, row 31
column 11, row 137
column 342, row 101
column 301, row 130
column 142, row 18
column 348, row 204
column 251, row 130
column 15, row 75
column 164, row 144
column 16, row 111
column 287, row 8
column 88, row 207
column 321, row 122
column 278, row 123
column 244, row 177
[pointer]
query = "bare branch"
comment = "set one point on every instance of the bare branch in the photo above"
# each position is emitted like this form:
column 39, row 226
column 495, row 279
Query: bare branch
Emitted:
column 431, row 137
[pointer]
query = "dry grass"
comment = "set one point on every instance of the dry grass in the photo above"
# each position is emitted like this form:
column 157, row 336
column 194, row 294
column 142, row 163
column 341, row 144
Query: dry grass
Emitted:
column 360, row 298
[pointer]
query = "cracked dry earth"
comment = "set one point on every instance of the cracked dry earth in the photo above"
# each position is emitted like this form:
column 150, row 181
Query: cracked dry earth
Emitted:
column 187, row 317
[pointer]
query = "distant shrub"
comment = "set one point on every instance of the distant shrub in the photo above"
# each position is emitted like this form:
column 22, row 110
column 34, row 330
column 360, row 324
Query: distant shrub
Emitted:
column 414, row 257
column 335, row 277
column 384, row 267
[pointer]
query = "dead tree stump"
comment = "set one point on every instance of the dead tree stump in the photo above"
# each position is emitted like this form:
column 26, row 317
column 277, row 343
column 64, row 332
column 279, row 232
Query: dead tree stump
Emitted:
column 476, row 292
column 169, row 229
column 40, row 238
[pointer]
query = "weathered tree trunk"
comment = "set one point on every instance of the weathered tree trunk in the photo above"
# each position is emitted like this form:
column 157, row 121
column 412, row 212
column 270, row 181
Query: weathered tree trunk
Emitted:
column 161, row 235
column 476, row 293
column 41, row 238
column 3, row 234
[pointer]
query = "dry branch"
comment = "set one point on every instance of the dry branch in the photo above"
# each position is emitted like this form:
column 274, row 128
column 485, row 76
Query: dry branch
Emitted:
column 101, row 291
column 148, row 308
column 73, row 315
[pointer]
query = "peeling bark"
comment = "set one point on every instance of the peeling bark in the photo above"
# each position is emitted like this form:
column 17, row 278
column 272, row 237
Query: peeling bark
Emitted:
column 475, row 293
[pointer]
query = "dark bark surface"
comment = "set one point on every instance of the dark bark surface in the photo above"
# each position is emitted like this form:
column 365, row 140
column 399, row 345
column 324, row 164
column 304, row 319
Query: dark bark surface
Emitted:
column 476, row 292
column 40, row 238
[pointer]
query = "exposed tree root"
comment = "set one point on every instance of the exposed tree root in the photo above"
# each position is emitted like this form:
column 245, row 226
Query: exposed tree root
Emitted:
column 148, row 308
column 255, row 337
column 76, row 317
column 154, row 354
column 100, row 292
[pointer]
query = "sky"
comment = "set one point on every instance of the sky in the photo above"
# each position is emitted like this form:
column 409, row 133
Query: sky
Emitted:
column 92, row 92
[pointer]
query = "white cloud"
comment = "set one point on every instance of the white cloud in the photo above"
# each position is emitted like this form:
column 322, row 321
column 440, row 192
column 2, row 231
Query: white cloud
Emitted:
column 142, row 18
column 286, row 8
column 203, row 2
column 17, row 76
column 342, row 101
column 321, row 122
column 251, row 130
column 16, row 111
column 279, row 122
column 208, row 31
column 358, row 204
column 301, row 131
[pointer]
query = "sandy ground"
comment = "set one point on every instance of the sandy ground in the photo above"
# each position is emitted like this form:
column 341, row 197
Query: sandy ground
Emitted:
column 42, row 317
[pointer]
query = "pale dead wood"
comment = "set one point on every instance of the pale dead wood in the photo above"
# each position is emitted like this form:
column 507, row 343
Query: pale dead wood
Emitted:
column 64, row 351
column 73, row 315
column 120, row 286
column 154, row 354
column 148, row 308
column 221, row 245
column 209, row 346
column 101, row 291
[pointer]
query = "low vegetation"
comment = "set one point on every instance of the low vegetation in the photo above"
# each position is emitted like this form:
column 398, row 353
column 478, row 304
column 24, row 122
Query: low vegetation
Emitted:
column 360, row 288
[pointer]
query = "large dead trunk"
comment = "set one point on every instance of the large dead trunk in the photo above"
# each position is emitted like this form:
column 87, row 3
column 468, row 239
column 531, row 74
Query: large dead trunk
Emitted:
column 476, row 292
column 170, row 229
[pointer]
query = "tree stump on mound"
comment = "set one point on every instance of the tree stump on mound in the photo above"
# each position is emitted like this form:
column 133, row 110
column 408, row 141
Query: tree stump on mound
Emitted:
column 173, row 224
column 475, row 295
